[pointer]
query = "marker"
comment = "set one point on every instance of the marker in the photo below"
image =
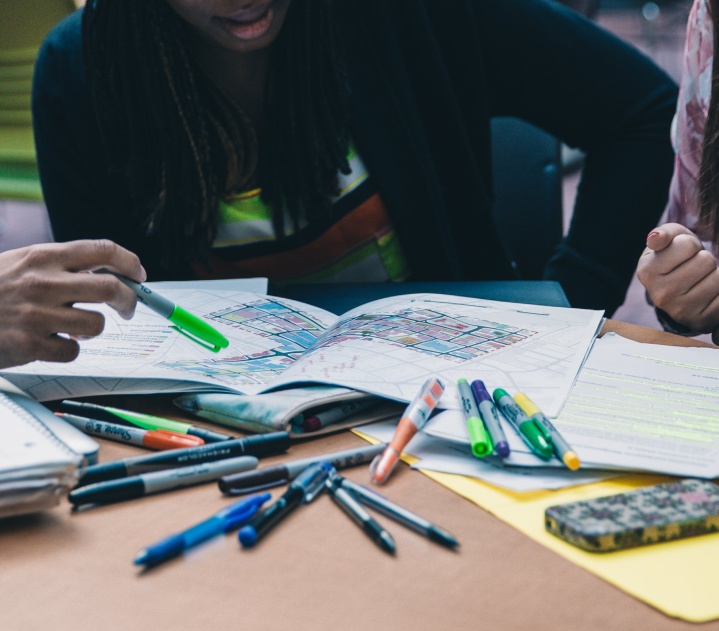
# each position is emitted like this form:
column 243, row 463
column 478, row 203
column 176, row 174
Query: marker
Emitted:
column 561, row 447
column 267, row 477
column 336, row 413
column 147, row 421
column 257, row 445
column 158, row 481
column 352, row 508
column 184, row 322
column 478, row 437
column 530, row 430
column 229, row 518
column 401, row 515
column 152, row 439
column 413, row 419
column 304, row 488
column 490, row 417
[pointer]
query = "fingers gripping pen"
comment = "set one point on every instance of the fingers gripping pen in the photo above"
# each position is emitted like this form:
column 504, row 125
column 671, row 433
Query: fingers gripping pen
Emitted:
column 413, row 419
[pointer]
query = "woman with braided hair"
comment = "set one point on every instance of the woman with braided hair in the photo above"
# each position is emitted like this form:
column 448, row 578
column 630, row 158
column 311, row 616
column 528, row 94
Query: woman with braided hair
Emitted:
column 342, row 140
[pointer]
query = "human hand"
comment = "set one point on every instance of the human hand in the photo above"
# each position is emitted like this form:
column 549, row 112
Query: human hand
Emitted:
column 39, row 286
column 681, row 278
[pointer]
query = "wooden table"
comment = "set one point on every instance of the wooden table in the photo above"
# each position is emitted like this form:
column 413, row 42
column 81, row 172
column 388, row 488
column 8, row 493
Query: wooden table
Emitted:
column 65, row 570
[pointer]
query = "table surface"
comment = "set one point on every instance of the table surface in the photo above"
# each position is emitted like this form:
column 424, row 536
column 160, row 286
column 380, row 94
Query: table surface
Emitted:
column 73, row 570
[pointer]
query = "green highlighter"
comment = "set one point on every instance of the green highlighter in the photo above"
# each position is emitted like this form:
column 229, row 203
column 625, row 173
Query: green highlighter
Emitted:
column 478, row 436
column 184, row 322
column 532, row 432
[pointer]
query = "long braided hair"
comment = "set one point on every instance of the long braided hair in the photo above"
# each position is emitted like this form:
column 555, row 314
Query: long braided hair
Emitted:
column 183, row 145
column 709, row 170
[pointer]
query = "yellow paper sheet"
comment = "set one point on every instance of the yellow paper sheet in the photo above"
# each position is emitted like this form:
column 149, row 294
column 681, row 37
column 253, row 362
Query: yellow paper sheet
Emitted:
column 679, row 578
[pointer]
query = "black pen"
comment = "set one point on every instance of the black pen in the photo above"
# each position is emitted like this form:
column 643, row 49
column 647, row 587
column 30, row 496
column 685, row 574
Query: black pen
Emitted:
column 157, row 481
column 305, row 487
column 381, row 504
column 371, row 527
column 267, row 477
column 257, row 445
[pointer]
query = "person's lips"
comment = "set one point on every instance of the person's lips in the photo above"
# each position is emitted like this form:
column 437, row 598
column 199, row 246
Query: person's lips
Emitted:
column 249, row 24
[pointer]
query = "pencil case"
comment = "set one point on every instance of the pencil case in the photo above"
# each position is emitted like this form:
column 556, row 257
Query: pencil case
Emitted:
column 652, row 514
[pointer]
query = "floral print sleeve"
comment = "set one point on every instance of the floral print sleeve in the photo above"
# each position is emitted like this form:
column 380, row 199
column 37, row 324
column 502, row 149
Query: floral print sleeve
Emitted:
column 690, row 119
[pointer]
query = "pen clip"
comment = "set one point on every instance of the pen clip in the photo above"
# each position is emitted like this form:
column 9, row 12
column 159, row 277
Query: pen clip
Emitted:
column 210, row 347
column 256, row 487
column 245, row 511
column 197, row 330
column 312, row 480
column 543, row 431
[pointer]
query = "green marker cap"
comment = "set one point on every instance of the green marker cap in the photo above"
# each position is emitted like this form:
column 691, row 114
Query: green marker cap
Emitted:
column 479, row 438
column 535, row 435
column 197, row 330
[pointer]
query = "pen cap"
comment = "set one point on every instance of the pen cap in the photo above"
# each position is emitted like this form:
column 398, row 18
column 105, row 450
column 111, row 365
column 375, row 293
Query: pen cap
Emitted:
column 197, row 329
column 479, row 390
column 312, row 480
column 264, row 444
column 249, row 481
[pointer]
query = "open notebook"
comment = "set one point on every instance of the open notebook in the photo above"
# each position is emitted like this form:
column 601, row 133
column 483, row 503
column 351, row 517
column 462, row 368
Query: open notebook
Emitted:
column 40, row 455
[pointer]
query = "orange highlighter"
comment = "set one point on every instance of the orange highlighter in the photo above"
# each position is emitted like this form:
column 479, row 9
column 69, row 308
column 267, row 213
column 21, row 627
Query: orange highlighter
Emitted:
column 413, row 420
column 159, row 439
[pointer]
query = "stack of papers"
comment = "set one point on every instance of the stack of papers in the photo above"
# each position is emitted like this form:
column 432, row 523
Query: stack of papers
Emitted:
column 634, row 407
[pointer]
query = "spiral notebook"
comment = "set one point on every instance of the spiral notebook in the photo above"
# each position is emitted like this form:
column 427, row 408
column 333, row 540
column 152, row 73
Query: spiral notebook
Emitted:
column 40, row 456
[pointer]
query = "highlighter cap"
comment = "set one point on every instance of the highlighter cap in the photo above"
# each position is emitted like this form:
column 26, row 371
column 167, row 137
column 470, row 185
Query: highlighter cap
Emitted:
column 479, row 438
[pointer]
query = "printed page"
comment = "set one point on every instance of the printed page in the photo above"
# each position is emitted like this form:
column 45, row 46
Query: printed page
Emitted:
column 391, row 346
column 646, row 407
column 146, row 355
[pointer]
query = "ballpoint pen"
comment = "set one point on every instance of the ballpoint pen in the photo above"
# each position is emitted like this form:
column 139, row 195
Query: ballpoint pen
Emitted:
column 304, row 488
column 157, row 481
column 478, row 437
column 146, row 421
column 561, row 447
column 183, row 321
column 229, row 518
column 490, row 417
column 351, row 507
column 266, row 477
column 531, row 431
column 413, row 419
column 407, row 518
column 160, row 439
column 257, row 445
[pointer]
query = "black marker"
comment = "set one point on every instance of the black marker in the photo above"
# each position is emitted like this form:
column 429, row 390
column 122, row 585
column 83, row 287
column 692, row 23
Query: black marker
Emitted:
column 157, row 481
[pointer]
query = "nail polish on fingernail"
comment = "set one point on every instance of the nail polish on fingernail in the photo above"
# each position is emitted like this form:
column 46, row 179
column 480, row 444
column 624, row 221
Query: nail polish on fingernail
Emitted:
column 652, row 233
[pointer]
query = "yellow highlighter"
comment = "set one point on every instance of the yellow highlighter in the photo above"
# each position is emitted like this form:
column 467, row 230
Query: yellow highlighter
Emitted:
column 561, row 447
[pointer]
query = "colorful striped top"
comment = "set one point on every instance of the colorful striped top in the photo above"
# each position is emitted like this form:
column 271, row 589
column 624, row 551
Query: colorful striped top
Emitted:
column 358, row 244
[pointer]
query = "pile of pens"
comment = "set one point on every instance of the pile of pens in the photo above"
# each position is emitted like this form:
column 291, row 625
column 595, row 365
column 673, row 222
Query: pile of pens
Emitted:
column 192, row 455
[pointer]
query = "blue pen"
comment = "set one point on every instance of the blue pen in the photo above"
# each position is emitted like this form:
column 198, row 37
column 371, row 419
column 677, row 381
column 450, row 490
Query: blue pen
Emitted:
column 304, row 488
column 229, row 518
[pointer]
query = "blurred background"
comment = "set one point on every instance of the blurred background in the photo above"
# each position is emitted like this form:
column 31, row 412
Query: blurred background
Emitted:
column 657, row 28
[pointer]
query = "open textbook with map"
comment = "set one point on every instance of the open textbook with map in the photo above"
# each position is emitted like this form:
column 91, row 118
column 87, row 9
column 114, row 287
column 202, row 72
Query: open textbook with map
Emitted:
column 387, row 348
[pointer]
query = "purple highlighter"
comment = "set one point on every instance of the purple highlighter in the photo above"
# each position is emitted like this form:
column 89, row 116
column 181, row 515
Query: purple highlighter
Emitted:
column 490, row 417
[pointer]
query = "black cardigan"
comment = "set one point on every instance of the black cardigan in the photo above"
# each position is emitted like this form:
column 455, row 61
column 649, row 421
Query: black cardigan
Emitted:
column 426, row 77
